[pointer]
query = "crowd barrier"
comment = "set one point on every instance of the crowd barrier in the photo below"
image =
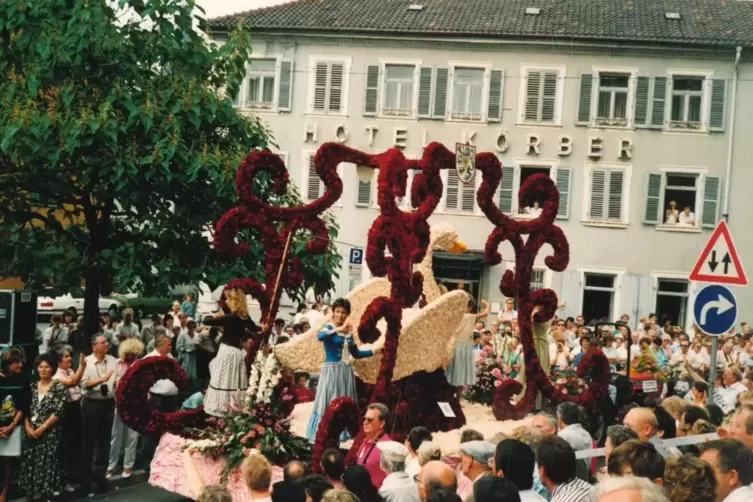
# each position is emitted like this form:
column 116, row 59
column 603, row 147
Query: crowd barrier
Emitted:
column 682, row 441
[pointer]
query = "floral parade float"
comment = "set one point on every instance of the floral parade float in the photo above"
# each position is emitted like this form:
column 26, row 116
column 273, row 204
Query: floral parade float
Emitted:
column 398, row 242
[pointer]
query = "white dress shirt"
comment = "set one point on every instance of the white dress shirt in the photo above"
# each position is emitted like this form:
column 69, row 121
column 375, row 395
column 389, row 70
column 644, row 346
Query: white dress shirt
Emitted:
column 94, row 371
column 399, row 487
column 577, row 437
column 163, row 387
column 530, row 496
column 742, row 494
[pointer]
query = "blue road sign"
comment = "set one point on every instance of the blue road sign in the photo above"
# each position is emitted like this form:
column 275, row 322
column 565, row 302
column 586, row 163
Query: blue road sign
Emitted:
column 356, row 256
column 715, row 309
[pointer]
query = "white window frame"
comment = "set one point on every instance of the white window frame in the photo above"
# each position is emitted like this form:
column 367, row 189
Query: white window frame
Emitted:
column 692, row 291
column 347, row 63
column 619, row 274
column 244, row 104
column 559, row 97
column 519, row 163
column 487, row 67
column 708, row 76
column 632, row 74
column 305, row 153
column 700, row 183
column 383, row 64
column 626, row 185
column 442, row 208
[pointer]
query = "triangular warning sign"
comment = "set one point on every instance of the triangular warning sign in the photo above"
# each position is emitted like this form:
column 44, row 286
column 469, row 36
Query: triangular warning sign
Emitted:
column 719, row 262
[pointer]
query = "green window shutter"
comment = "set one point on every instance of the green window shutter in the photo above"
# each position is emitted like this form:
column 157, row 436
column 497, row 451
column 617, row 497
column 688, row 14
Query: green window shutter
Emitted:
column 507, row 189
column 563, row 185
column 371, row 100
column 424, row 92
column 641, row 101
column 598, row 189
column 712, row 188
column 336, row 80
column 615, row 188
column 549, row 97
column 320, row 87
column 659, row 102
column 285, row 98
column 716, row 113
column 653, row 213
column 496, row 94
column 314, row 185
column 364, row 193
column 584, row 101
column 440, row 93
column 533, row 88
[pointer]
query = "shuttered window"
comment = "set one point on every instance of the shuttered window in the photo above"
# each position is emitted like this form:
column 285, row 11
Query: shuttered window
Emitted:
column 606, row 201
column 563, row 182
column 467, row 93
column 425, row 80
column 612, row 99
column 363, row 198
column 398, row 90
column 658, row 102
column 496, row 96
column 642, row 101
column 507, row 189
column 717, row 109
column 285, row 98
column 371, row 98
column 584, row 99
column 459, row 196
column 329, row 85
column 262, row 75
column 441, row 83
column 653, row 199
column 686, row 105
column 712, row 188
column 314, row 185
column 540, row 102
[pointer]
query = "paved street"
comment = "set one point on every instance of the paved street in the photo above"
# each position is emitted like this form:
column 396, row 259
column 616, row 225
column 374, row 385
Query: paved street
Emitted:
column 139, row 493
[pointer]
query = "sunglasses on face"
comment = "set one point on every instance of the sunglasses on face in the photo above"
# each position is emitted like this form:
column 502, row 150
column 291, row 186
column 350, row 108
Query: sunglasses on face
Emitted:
column 369, row 420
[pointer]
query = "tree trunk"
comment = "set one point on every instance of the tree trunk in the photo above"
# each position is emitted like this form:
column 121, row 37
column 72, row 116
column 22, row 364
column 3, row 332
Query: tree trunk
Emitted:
column 93, row 278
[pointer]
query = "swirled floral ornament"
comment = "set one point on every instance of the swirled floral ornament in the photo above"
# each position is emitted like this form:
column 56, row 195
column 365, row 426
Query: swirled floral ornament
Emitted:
column 132, row 397
column 342, row 414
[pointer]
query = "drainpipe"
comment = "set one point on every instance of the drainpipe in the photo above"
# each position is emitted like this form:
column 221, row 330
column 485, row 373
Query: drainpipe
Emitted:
column 728, row 173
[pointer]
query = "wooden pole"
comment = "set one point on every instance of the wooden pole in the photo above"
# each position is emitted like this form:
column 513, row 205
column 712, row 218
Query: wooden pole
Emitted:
column 268, row 322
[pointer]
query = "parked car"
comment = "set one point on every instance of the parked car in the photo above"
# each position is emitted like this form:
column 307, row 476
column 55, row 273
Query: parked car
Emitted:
column 51, row 302
column 144, row 306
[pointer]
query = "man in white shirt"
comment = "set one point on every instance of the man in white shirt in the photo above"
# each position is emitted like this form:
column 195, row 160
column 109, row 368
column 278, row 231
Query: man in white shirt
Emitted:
column 686, row 217
column 732, row 462
column 398, row 486
column 509, row 313
column 570, row 428
column 98, row 411
column 726, row 397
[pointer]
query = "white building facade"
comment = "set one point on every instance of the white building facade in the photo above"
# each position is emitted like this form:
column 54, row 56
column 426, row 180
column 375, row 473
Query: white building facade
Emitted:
column 625, row 127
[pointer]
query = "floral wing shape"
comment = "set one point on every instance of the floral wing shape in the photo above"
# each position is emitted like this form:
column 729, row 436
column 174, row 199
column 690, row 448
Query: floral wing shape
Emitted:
column 419, row 332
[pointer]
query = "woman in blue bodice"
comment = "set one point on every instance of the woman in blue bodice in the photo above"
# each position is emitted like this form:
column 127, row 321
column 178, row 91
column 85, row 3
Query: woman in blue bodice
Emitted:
column 336, row 378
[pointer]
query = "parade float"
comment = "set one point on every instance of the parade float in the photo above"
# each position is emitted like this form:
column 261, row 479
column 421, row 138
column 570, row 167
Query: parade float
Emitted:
column 401, row 308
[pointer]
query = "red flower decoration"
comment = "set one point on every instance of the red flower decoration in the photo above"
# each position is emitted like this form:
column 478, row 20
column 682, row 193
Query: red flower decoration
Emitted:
column 342, row 414
column 133, row 393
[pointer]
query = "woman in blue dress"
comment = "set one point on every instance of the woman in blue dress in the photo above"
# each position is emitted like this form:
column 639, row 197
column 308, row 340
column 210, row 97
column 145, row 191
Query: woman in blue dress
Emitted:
column 336, row 378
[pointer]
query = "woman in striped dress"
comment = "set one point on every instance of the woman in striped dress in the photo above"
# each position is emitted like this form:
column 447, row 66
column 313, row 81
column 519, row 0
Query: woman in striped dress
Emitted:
column 336, row 378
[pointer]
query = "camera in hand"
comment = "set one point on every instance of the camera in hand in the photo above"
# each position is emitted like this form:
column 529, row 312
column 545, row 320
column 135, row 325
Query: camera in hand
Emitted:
column 104, row 390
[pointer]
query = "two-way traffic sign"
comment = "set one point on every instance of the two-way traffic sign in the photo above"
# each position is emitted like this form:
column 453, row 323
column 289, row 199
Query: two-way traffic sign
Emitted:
column 719, row 262
column 715, row 309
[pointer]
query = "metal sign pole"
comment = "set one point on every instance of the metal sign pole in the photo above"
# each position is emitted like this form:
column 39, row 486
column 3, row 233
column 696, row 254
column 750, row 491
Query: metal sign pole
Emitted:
column 712, row 372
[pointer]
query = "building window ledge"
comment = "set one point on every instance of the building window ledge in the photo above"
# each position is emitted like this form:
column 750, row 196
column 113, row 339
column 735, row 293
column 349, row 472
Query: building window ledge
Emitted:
column 537, row 125
column 456, row 213
column 687, row 229
column 605, row 224
column 324, row 114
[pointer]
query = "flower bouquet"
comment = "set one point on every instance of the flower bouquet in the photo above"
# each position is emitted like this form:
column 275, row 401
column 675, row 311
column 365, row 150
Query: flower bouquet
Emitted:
column 646, row 367
column 567, row 382
column 489, row 376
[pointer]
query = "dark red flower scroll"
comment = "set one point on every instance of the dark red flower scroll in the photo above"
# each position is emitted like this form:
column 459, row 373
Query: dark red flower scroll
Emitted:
column 132, row 397
column 517, row 284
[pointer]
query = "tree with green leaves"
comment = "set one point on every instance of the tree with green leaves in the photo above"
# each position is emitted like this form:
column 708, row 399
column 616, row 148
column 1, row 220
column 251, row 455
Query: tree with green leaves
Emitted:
column 118, row 149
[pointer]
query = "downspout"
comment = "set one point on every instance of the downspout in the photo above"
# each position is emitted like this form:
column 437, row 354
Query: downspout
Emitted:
column 730, row 141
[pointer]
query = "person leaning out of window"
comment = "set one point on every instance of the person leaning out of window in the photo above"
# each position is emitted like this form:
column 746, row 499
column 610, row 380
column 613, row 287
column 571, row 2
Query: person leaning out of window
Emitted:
column 41, row 469
column 14, row 391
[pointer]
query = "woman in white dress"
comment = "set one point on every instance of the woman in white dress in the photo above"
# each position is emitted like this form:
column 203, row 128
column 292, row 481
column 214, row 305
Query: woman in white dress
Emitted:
column 228, row 378
column 462, row 369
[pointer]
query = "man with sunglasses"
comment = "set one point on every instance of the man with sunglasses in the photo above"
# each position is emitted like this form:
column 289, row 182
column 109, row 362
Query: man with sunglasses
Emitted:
column 368, row 454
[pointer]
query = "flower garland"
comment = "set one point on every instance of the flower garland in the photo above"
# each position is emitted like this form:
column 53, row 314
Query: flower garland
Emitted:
column 342, row 414
column 133, row 392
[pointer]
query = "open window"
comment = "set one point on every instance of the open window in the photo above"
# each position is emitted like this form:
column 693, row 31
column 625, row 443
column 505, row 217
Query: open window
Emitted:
column 682, row 200
column 672, row 300
column 537, row 204
column 262, row 78
column 598, row 296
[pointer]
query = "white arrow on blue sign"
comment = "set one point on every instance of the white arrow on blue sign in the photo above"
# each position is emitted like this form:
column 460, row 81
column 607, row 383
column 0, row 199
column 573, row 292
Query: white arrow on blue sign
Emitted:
column 715, row 309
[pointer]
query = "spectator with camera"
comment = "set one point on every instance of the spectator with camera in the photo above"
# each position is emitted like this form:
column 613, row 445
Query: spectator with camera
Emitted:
column 98, row 410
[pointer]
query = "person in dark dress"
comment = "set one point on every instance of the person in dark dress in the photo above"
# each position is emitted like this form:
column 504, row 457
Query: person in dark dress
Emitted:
column 228, row 376
column 15, row 395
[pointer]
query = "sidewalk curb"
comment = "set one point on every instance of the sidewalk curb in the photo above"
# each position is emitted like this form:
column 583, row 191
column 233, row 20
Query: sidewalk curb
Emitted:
column 117, row 482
